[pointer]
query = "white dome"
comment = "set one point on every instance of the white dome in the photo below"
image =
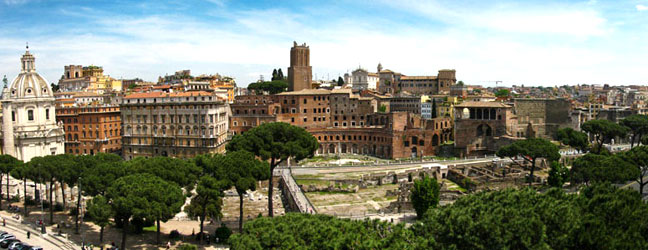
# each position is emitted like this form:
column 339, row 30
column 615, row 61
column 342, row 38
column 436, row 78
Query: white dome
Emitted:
column 29, row 84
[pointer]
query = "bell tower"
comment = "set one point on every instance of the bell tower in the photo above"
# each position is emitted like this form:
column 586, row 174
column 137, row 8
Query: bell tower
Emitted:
column 300, row 73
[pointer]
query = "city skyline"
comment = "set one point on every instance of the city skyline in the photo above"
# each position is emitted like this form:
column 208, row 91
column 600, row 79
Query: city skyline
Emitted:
column 532, row 43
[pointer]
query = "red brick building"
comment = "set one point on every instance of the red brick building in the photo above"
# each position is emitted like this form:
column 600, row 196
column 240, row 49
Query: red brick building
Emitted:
column 344, row 123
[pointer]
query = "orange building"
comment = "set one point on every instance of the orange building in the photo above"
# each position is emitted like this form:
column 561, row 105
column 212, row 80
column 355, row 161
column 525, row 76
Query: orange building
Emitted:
column 91, row 129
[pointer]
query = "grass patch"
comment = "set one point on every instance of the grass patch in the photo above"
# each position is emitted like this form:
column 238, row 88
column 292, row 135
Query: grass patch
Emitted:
column 309, row 176
column 453, row 186
column 331, row 192
column 150, row 229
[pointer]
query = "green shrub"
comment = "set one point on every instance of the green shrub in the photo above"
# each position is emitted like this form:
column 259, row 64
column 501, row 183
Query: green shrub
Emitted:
column 174, row 234
column 222, row 233
column 30, row 201
column 187, row 247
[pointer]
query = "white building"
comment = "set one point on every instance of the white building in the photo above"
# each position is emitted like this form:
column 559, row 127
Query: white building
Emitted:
column 426, row 110
column 29, row 127
column 183, row 124
column 361, row 79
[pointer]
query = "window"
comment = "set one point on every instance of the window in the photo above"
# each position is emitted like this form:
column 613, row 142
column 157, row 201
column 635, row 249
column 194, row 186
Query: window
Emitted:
column 47, row 114
column 30, row 115
column 13, row 116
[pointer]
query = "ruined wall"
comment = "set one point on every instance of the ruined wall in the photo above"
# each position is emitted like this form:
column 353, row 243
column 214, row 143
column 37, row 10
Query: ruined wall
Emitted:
column 545, row 115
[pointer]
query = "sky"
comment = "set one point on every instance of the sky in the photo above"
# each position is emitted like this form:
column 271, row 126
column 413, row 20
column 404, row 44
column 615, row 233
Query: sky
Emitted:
column 529, row 42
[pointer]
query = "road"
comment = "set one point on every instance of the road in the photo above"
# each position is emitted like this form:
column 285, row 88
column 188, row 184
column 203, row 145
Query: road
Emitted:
column 311, row 170
column 46, row 241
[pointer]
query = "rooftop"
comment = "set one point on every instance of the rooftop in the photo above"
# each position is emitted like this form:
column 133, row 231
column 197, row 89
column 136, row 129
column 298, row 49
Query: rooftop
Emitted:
column 482, row 105
column 307, row 92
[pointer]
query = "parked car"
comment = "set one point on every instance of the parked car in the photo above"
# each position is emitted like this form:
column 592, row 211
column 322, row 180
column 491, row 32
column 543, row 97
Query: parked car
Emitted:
column 36, row 248
column 7, row 236
column 16, row 245
column 5, row 243
column 24, row 247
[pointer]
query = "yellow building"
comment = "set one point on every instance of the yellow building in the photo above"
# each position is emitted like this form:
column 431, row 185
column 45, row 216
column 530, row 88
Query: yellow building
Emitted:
column 78, row 78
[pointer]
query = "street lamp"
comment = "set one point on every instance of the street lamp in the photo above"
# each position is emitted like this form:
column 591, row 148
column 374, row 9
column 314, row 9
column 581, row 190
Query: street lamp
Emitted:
column 42, row 222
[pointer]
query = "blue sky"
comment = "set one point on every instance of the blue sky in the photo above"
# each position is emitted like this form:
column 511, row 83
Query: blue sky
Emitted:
column 518, row 42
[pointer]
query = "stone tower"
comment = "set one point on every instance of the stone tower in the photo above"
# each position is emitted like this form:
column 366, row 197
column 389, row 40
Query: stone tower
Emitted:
column 300, row 73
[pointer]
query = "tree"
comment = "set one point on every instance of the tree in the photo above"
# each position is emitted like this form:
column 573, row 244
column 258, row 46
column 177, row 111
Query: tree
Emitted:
column 207, row 202
column 55, row 87
column 638, row 157
column 305, row 231
column 530, row 150
column 275, row 142
column 382, row 108
column 87, row 165
column 503, row 93
column 600, row 217
column 573, row 138
column 637, row 125
column 182, row 172
column 273, row 87
column 242, row 171
column 603, row 131
column 7, row 164
column 100, row 213
column 50, row 169
column 280, row 75
column 165, row 203
column 434, row 108
column 424, row 195
column 21, row 173
column 558, row 174
column 460, row 83
column 142, row 197
column 96, row 180
column 592, row 168
column 275, row 76
column 340, row 81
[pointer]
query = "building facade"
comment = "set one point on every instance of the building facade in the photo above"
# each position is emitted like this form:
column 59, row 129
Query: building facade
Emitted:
column 29, row 127
column 173, row 124
column 361, row 79
column 91, row 129
column 79, row 78
column 344, row 122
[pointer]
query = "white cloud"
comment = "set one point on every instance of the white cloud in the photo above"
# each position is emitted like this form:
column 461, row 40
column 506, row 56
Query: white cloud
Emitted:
column 255, row 42
column 641, row 7
column 562, row 20
column 15, row 2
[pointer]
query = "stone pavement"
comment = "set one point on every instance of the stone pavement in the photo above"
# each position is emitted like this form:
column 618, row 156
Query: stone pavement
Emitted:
column 302, row 202
column 46, row 241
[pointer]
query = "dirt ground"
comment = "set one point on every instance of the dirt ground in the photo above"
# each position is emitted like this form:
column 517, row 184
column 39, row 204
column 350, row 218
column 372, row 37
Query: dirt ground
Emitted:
column 366, row 201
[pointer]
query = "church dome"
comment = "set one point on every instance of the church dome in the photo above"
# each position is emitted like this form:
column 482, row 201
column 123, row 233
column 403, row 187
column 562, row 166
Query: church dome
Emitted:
column 29, row 84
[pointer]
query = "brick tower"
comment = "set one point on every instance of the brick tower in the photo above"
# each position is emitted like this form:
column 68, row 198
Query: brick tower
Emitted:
column 300, row 73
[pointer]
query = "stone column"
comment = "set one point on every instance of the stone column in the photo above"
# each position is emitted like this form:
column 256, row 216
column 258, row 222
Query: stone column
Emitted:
column 8, row 129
